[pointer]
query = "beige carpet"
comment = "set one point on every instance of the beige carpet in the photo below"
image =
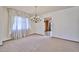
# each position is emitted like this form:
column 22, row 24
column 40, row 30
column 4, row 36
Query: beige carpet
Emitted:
column 38, row 43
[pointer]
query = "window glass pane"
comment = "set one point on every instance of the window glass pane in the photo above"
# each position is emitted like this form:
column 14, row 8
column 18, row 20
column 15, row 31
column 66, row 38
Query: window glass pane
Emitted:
column 27, row 23
column 20, row 23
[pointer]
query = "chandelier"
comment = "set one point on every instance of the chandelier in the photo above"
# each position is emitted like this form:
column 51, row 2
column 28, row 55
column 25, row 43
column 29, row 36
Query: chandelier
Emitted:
column 35, row 18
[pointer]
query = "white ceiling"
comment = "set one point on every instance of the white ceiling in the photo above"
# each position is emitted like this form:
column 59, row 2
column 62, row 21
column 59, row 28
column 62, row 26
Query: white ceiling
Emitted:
column 41, row 9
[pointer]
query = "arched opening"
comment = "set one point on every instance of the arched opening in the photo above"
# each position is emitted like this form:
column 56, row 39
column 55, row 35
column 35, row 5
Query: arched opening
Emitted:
column 47, row 21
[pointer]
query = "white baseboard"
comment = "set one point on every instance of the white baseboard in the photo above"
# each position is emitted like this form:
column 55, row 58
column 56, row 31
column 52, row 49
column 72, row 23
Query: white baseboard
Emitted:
column 67, row 37
column 5, row 39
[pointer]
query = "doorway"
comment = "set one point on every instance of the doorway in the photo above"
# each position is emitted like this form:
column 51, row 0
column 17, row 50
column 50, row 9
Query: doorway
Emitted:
column 48, row 26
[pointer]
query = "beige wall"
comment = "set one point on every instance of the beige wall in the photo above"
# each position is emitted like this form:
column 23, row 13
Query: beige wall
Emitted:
column 65, row 23
column 4, row 23
column 37, row 27
column 0, row 26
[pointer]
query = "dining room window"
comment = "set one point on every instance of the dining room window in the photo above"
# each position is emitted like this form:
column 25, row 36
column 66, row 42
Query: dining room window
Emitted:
column 20, row 23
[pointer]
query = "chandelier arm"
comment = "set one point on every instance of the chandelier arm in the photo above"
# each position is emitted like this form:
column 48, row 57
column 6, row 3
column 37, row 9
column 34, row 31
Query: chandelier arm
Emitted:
column 35, row 10
column 36, row 17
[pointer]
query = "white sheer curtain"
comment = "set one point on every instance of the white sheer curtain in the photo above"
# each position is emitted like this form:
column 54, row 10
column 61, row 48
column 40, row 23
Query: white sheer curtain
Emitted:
column 18, row 24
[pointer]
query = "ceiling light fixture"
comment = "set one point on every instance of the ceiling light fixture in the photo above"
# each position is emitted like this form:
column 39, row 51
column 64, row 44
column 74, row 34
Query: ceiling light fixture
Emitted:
column 35, row 18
